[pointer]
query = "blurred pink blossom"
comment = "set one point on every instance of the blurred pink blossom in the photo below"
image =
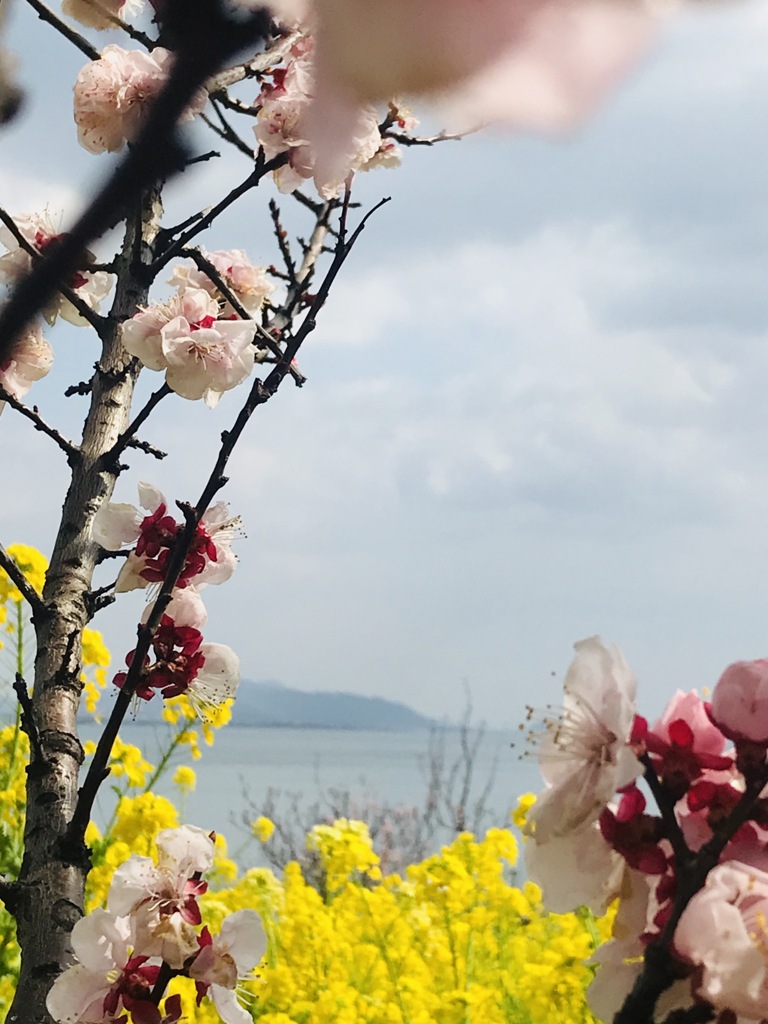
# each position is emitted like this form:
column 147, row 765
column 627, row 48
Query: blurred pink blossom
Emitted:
column 740, row 701
column 723, row 932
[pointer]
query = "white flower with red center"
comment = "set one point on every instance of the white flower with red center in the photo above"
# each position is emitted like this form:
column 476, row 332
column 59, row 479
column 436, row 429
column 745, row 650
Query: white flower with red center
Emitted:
column 108, row 977
column 249, row 284
column 283, row 126
column 30, row 360
column 227, row 958
column 161, row 899
column 210, row 558
column 40, row 232
column 207, row 674
column 584, row 753
column 95, row 13
column 202, row 356
column 113, row 96
column 724, row 932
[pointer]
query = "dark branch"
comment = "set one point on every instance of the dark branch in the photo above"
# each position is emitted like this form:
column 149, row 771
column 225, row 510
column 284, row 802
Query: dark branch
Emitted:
column 69, row 449
column 46, row 14
column 126, row 438
column 28, row 723
column 207, row 218
column 28, row 592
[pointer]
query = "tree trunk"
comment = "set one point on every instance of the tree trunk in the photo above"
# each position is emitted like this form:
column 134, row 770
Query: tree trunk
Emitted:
column 50, row 890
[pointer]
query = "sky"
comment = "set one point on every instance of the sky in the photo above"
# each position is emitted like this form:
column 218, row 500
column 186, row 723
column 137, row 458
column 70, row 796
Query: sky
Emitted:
column 535, row 409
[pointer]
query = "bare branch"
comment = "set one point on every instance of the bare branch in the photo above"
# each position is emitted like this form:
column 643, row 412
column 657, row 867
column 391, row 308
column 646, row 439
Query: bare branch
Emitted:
column 46, row 14
column 253, row 67
column 28, row 592
column 28, row 720
column 127, row 436
column 69, row 449
column 226, row 132
column 282, row 240
column 207, row 218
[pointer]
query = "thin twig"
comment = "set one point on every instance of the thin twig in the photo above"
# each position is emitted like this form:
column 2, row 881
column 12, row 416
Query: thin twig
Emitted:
column 427, row 140
column 282, row 240
column 127, row 435
column 46, row 14
column 28, row 723
column 210, row 216
column 225, row 131
column 17, row 577
column 69, row 449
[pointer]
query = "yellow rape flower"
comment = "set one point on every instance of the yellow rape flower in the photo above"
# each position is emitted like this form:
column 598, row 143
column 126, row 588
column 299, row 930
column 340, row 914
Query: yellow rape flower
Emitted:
column 520, row 814
column 185, row 778
column 263, row 828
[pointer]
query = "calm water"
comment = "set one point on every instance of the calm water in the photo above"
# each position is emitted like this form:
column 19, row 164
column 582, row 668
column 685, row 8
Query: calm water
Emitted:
column 386, row 767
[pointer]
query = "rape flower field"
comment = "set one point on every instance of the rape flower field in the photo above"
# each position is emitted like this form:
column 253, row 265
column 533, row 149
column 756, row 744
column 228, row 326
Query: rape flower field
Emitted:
column 449, row 941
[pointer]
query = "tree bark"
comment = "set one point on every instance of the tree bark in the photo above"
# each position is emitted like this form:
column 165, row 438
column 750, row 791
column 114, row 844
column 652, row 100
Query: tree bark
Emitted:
column 50, row 891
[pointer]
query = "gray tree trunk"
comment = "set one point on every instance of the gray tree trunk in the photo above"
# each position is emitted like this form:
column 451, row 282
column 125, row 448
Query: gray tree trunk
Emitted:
column 49, row 895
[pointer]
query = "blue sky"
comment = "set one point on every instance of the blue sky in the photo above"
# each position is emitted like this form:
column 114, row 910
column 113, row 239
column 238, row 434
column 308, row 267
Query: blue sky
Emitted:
column 535, row 407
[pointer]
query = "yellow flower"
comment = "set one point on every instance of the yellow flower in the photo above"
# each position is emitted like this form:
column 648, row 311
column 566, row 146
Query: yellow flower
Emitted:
column 263, row 828
column 185, row 778
column 520, row 813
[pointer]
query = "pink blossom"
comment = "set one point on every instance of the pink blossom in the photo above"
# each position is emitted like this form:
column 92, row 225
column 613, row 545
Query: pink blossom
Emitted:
column 94, row 13
column 202, row 356
column 113, row 94
column 584, row 753
column 723, row 932
column 250, row 284
column 40, row 232
column 740, row 701
column 142, row 334
column 537, row 64
column 210, row 558
column 284, row 126
column 226, row 958
column 31, row 360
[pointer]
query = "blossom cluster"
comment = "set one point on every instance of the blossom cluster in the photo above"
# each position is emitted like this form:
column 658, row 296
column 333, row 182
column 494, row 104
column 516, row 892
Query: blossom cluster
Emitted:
column 152, row 923
column 592, row 837
column 206, row 673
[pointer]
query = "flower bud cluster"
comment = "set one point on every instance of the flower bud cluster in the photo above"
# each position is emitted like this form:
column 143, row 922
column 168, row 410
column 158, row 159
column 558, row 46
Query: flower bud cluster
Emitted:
column 151, row 930
column 592, row 837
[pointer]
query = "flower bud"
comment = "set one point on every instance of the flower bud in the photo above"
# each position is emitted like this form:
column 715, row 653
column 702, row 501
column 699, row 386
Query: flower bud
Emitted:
column 740, row 701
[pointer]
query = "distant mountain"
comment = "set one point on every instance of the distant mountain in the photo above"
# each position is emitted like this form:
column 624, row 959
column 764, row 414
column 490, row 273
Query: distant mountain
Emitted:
column 270, row 703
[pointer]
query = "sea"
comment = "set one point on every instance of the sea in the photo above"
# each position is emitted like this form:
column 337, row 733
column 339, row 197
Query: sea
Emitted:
column 292, row 769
